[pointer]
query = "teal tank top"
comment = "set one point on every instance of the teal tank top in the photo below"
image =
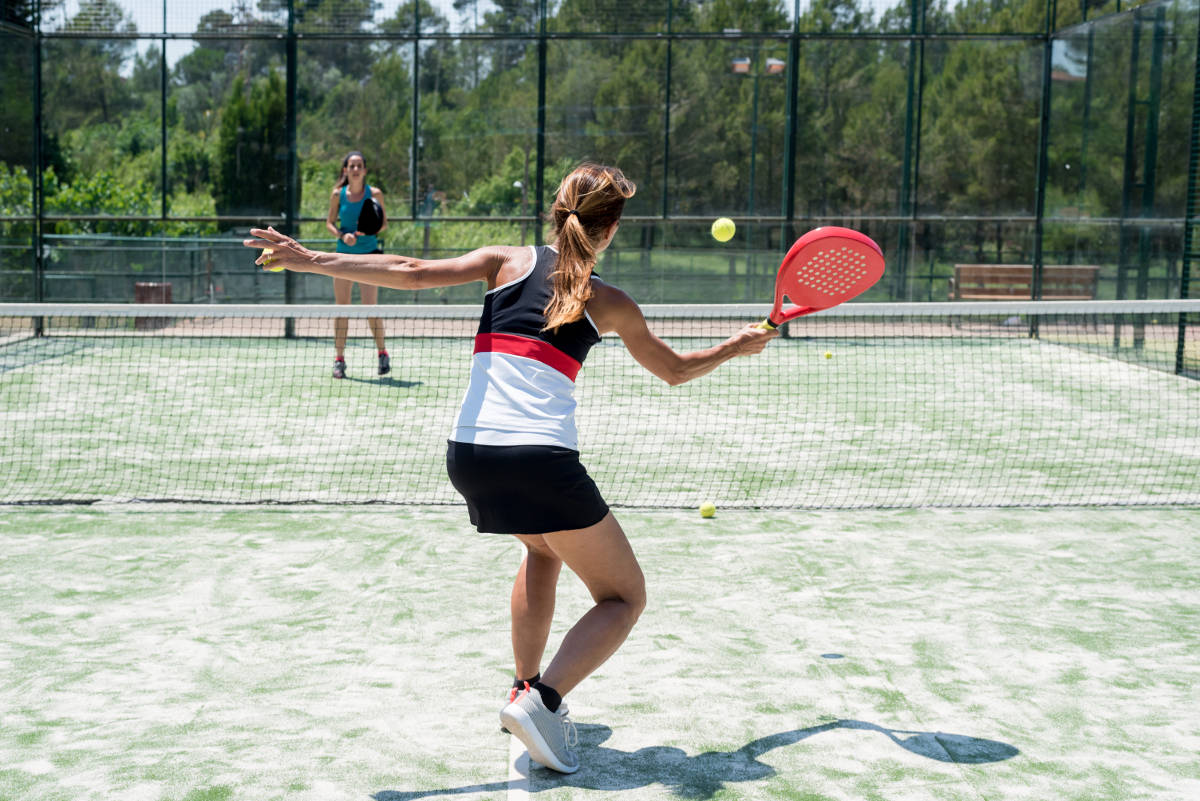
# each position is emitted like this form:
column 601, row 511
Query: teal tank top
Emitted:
column 348, row 223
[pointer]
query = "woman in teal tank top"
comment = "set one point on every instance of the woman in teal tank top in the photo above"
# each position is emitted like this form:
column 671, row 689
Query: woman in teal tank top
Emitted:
column 345, row 203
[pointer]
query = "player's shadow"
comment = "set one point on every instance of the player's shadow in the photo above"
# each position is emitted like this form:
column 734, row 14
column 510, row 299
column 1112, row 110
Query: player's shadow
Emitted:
column 702, row 776
column 384, row 381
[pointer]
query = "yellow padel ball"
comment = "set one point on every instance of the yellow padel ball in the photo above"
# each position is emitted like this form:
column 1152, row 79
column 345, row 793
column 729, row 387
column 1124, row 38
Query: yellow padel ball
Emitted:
column 723, row 229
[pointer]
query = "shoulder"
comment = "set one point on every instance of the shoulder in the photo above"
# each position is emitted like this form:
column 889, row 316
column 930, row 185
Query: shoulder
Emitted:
column 336, row 193
column 610, row 307
column 514, row 261
column 376, row 192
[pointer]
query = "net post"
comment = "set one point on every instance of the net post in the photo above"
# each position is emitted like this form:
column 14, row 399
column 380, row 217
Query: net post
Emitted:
column 1039, row 227
column 293, row 171
column 1189, row 240
column 540, row 169
column 39, row 255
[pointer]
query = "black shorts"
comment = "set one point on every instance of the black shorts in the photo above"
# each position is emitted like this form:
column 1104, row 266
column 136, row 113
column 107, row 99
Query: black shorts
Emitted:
column 524, row 489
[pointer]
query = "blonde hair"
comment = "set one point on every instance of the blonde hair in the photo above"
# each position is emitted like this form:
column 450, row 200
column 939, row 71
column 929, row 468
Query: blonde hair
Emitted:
column 588, row 202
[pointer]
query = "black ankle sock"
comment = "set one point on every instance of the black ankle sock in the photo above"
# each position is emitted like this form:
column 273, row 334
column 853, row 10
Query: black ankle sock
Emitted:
column 550, row 696
column 520, row 683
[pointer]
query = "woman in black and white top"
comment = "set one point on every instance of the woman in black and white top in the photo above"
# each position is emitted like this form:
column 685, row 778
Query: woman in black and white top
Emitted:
column 513, row 453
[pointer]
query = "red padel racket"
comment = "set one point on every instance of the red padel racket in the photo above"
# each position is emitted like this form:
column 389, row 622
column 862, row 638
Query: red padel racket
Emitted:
column 825, row 267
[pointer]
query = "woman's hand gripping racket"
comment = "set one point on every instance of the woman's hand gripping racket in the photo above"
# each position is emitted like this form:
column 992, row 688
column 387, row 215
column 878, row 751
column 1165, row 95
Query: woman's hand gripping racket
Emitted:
column 825, row 267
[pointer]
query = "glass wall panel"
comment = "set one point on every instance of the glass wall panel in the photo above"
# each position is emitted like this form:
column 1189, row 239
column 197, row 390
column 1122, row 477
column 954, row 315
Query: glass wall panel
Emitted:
column 349, row 16
column 851, row 118
column 915, row 121
column 964, row 16
column 17, row 130
column 938, row 245
column 607, row 16
column 113, row 16
column 760, row 16
column 680, row 262
column 478, row 130
column 82, row 264
column 1071, row 12
column 605, row 102
column 16, row 262
column 223, row 17
column 1136, row 259
column 1120, row 116
column 862, row 16
column 227, row 147
column 498, row 17
column 198, row 83
column 354, row 95
column 18, row 169
column 979, row 128
column 22, row 13
column 728, row 127
column 102, row 127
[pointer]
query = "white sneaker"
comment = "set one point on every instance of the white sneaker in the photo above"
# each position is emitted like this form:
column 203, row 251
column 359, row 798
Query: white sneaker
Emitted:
column 513, row 692
column 547, row 735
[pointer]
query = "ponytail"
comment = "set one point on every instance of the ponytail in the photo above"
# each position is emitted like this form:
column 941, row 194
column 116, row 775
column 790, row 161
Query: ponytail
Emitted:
column 589, row 201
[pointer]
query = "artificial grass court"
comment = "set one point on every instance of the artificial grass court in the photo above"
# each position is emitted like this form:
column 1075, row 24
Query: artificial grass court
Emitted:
column 159, row 653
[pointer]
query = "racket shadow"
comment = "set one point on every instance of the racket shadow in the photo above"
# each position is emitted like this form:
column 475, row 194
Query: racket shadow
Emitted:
column 703, row 775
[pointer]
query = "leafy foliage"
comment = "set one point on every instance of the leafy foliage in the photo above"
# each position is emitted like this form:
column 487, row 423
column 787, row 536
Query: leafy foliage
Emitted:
column 251, row 161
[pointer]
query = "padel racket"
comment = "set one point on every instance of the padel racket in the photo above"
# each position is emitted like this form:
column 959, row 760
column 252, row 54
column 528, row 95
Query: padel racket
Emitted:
column 825, row 267
column 371, row 218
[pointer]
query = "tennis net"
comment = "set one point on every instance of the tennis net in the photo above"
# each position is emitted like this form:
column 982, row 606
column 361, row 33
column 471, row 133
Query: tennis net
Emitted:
column 866, row 405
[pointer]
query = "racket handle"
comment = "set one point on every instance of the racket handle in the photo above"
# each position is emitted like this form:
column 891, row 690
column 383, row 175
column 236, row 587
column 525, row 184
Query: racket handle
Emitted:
column 767, row 325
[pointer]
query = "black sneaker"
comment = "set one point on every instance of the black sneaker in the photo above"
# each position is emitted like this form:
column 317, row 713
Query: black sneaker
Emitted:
column 385, row 364
column 339, row 368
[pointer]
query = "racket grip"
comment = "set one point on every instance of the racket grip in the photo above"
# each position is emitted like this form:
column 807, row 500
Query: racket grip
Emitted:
column 767, row 325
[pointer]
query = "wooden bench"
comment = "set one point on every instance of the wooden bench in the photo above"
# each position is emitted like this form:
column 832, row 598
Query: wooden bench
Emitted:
column 1015, row 282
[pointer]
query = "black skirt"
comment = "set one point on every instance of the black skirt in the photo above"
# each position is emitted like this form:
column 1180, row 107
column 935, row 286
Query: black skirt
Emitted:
column 524, row 489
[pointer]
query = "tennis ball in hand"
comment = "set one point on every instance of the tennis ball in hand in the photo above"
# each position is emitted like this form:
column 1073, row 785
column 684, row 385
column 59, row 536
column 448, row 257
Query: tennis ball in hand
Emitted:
column 707, row 509
column 266, row 264
column 723, row 229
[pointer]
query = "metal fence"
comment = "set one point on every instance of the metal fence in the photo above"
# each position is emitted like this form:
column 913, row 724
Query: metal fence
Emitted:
column 1038, row 133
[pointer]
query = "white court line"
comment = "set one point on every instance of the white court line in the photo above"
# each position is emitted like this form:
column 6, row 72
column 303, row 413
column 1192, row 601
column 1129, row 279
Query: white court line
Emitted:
column 518, row 770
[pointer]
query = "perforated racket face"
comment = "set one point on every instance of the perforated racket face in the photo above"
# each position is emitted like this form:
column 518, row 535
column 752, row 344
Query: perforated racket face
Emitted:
column 825, row 267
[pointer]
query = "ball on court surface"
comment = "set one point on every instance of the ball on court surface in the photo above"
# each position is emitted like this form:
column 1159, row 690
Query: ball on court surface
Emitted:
column 266, row 264
column 708, row 509
column 723, row 229
column 828, row 355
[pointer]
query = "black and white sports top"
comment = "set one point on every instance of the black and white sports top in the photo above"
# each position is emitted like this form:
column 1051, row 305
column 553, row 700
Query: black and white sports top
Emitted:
column 522, row 386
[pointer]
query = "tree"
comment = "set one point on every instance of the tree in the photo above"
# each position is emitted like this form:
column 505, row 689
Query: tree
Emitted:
column 16, row 112
column 82, row 78
column 251, row 159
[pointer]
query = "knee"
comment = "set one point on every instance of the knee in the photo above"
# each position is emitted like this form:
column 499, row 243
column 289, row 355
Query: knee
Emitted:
column 635, row 599
column 540, row 552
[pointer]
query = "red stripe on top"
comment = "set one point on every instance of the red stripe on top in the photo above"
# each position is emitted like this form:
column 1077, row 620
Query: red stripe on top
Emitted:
column 535, row 349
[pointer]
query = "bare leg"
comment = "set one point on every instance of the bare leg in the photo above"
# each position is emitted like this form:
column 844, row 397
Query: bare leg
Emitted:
column 602, row 557
column 370, row 297
column 533, row 607
column 342, row 289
